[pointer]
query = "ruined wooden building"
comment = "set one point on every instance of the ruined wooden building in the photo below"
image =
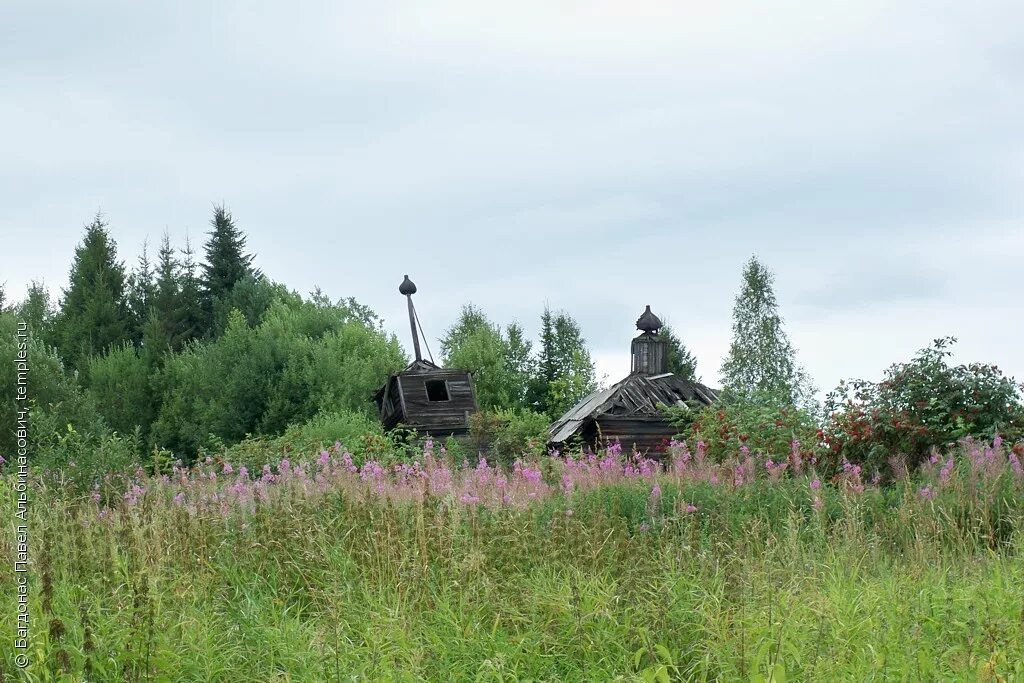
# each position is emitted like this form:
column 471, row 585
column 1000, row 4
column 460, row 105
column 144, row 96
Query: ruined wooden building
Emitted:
column 631, row 410
column 434, row 401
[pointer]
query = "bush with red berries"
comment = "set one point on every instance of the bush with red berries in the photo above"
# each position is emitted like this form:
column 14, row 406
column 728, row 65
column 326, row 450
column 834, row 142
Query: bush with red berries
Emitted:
column 923, row 404
column 761, row 425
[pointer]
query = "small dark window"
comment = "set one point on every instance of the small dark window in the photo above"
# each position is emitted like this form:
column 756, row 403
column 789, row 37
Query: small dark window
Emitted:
column 437, row 390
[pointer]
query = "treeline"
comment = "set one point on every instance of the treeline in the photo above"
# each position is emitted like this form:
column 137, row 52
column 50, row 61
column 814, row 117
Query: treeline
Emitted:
column 188, row 351
column 192, row 352
column 183, row 352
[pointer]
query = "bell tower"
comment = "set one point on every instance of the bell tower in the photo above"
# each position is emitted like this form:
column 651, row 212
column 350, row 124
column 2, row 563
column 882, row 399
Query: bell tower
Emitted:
column 649, row 350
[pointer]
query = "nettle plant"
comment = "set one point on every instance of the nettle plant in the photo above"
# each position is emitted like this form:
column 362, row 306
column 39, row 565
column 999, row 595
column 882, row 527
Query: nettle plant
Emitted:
column 920, row 405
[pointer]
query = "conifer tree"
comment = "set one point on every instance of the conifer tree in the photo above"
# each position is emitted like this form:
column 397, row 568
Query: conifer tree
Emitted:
column 141, row 291
column 37, row 311
column 564, row 370
column 761, row 362
column 226, row 263
column 680, row 361
column 164, row 326
column 520, row 362
column 191, row 321
column 93, row 312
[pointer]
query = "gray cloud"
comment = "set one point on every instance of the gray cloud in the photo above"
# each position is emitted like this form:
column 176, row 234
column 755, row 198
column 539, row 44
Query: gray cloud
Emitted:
column 599, row 157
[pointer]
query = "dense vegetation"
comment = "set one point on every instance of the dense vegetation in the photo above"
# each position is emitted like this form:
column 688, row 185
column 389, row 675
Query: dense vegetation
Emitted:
column 595, row 568
column 213, row 499
column 182, row 356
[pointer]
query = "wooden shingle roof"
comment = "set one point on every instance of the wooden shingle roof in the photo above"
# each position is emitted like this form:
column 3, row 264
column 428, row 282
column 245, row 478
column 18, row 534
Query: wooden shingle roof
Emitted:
column 638, row 394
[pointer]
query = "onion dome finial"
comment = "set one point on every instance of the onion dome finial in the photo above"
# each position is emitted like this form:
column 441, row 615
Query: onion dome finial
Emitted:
column 407, row 287
column 648, row 322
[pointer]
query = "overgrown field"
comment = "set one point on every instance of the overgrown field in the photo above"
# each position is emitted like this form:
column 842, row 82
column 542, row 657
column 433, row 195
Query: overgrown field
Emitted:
column 586, row 569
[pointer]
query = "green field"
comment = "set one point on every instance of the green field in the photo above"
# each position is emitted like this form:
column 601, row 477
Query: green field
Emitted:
column 322, row 579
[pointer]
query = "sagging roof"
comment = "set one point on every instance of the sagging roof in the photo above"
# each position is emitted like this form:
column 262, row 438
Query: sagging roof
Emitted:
column 638, row 394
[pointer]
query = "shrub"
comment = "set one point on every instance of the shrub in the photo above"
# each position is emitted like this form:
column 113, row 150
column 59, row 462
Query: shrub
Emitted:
column 506, row 435
column 303, row 358
column 119, row 383
column 760, row 426
column 920, row 405
column 81, row 457
column 358, row 433
column 55, row 399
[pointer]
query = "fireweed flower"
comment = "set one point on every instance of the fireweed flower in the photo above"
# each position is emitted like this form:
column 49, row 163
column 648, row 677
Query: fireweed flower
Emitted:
column 655, row 493
column 1015, row 464
column 946, row 470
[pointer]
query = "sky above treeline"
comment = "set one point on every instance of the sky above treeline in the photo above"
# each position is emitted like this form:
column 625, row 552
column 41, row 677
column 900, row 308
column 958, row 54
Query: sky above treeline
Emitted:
column 594, row 156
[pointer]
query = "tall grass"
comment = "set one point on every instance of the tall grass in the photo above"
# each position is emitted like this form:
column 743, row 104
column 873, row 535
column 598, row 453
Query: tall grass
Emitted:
column 589, row 569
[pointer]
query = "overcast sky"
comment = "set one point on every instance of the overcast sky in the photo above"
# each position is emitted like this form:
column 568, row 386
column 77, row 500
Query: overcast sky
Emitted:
column 595, row 156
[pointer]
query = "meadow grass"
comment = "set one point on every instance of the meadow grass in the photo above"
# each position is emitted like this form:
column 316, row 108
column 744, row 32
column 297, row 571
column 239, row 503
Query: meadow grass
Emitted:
column 649, row 577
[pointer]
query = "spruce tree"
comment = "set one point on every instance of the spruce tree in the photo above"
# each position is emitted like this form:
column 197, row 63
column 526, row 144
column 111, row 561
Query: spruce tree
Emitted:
column 93, row 312
column 226, row 263
column 164, row 328
column 191, row 320
column 520, row 362
column 564, row 369
column 141, row 291
column 761, row 363
column 680, row 361
column 37, row 311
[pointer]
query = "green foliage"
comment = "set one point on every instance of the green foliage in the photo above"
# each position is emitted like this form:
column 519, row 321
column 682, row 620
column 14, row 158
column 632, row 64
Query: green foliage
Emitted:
column 921, row 404
column 82, row 458
column 226, row 265
column 500, row 362
column 303, row 358
column 38, row 312
column 506, row 435
column 680, row 361
column 565, row 371
column 189, row 321
column 172, row 319
column 140, row 296
column 761, row 426
column 359, row 433
column 55, row 398
column 761, row 360
column 756, row 585
column 120, row 387
column 520, row 362
column 252, row 296
column 340, row 370
column 94, row 311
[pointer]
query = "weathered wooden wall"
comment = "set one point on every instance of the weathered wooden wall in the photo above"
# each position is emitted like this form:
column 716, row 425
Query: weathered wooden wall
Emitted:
column 437, row 418
column 648, row 434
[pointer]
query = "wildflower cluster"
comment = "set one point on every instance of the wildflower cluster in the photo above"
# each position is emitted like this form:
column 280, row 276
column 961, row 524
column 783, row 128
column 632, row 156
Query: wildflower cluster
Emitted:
column 218, row 486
